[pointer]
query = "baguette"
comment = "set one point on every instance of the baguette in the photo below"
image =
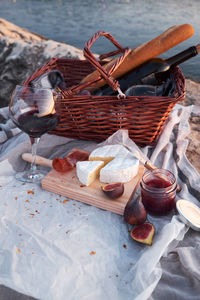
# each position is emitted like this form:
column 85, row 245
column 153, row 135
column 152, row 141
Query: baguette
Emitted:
column 139, row 55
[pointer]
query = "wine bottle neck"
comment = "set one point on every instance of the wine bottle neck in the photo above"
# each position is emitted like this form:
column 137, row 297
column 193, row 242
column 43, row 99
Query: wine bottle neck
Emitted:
column 183, row 56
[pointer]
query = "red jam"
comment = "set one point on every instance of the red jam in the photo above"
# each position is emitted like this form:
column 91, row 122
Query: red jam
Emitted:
column 158, row 191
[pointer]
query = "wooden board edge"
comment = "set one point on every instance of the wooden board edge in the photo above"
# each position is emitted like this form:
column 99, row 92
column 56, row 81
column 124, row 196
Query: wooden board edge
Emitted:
column 119, row 209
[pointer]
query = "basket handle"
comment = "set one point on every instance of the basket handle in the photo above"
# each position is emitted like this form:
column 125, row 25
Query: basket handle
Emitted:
column 106, row 74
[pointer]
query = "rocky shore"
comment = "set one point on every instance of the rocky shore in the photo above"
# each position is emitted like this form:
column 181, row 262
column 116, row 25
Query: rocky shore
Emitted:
column 22, row 52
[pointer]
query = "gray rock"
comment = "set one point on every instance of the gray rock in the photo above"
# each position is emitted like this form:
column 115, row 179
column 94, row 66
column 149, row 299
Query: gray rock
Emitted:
column 22, row 52
column 193, row 97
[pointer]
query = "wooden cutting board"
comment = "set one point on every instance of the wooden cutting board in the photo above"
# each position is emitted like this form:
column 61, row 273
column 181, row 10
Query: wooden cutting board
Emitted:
column 68, row 185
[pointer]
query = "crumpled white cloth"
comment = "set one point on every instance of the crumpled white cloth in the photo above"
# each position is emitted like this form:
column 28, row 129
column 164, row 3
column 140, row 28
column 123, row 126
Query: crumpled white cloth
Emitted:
column 7, row 129
column 52, row 247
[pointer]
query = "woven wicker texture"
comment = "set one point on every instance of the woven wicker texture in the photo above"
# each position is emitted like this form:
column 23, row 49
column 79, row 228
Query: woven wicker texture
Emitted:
column 97, row 117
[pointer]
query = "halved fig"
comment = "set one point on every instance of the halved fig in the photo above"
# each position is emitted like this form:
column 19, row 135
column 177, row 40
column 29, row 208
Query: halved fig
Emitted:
column 113, row 190
column 143, row 233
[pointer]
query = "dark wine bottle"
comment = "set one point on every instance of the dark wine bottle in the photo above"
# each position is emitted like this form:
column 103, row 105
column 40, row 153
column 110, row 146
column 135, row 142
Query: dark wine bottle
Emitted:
column 153, row 66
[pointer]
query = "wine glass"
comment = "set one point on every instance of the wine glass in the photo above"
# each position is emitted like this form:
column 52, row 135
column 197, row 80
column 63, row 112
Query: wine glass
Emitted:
column 34, row 111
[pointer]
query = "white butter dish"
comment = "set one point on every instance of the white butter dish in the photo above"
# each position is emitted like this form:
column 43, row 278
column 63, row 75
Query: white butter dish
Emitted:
column 189, row 213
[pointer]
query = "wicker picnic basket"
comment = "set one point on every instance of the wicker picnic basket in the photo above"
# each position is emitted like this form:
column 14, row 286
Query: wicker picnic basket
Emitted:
column 95, row 118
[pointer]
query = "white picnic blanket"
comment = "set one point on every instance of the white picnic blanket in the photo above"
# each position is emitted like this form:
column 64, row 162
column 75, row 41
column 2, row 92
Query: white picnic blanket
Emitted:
column 52, row 247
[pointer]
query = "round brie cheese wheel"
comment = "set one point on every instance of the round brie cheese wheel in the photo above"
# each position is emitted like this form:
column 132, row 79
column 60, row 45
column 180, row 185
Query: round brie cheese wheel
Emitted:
column 119, row 170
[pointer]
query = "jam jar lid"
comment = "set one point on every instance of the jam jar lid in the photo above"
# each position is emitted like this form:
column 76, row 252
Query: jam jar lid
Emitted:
column 189, row 213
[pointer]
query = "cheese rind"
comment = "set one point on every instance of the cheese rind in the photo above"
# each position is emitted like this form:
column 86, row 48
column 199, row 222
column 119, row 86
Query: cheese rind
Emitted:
column 88, row 171
column 120, row 170
column 120, row 164
column 108, row 152
column 114, row 163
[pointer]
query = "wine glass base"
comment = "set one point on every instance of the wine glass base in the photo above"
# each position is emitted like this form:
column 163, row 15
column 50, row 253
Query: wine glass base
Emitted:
column 32, row 177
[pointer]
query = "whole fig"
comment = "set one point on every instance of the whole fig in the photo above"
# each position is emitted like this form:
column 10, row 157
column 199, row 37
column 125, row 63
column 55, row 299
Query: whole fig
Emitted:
column 134, row 212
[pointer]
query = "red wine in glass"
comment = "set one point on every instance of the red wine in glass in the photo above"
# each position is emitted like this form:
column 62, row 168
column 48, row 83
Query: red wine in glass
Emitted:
column 35, row 126
column 36, row 112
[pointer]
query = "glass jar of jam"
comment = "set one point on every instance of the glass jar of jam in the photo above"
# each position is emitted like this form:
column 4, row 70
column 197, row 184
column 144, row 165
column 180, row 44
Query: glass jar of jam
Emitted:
column 158, row 191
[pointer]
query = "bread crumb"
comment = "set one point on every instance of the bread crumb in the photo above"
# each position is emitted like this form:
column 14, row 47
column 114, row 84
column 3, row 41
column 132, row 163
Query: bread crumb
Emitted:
column 66, row 200
column 30, row 192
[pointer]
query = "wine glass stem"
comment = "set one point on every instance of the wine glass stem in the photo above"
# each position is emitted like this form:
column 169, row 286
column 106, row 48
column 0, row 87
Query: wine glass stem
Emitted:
column 34, row 143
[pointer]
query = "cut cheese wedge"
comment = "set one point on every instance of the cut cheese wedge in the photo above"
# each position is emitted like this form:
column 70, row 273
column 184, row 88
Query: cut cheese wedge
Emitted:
column 114, row 163
column 88, row 171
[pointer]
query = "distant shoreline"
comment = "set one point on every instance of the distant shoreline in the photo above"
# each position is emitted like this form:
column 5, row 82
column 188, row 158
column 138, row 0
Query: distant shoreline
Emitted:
column 130, row 22
column 25, row 51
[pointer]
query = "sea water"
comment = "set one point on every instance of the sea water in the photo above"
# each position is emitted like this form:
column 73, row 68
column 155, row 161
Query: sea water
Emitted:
column 131, row 22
